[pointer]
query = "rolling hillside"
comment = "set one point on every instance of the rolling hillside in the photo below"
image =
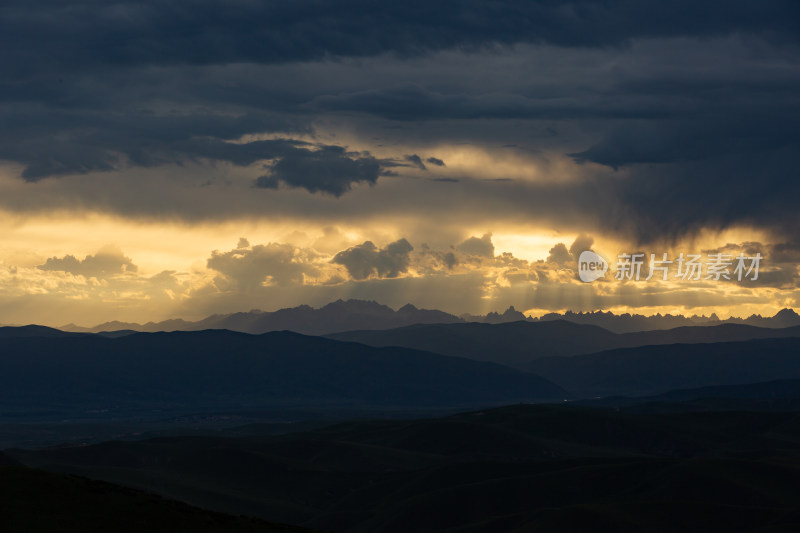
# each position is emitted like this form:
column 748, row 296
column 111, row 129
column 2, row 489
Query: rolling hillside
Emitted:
column 161, row 374
column 522, row 468
column 657, row 369
column 34, row 500
column 516, row 344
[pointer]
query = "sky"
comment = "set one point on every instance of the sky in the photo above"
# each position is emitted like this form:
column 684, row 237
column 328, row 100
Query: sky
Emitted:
column 180, row 159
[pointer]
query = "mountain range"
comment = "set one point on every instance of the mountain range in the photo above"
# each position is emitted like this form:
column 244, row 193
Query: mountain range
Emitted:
column 685, row 429
column 335, row 316
column 627, row 323
column 517, row 344
column 349, row 315
column 51, row 374
column 649, row 370
column 161, row 374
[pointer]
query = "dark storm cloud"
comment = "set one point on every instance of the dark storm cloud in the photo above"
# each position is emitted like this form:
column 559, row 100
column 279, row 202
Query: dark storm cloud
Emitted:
column 330, row 169
column 367, row 260
column 581, row 244
column 53, row 34
column 696, row 139
column 110, row 152
column 757, row 187
column 416, row 160
column 695, row 103
column 413, row 102
column 104, row 143
column 786, row 252
column 58, row 141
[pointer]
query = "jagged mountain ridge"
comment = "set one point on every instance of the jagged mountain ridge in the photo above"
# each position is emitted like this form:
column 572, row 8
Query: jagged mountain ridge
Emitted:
column 352, row 314
column 333, row 317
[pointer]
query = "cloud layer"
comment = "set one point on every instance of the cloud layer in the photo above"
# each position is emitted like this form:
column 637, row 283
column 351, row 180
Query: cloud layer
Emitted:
column 421, row 129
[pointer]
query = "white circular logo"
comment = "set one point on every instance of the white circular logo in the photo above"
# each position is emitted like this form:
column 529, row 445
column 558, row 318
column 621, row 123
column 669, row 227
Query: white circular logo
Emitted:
column 591, row 266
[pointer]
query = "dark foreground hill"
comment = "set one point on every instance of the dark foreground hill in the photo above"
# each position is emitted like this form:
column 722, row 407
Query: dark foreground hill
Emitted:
column 11, row 332
column 778, row 395
column 162, row 374
column 649, row 370
column 516, row 344
column 515, row 469
column 34, row 500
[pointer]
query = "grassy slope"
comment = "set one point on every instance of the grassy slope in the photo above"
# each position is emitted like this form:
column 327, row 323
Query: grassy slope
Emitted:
column 522, row 468
column 34, row 500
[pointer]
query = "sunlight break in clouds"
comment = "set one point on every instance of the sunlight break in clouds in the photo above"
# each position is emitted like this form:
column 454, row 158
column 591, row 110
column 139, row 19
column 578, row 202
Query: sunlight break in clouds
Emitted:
column 370, row 156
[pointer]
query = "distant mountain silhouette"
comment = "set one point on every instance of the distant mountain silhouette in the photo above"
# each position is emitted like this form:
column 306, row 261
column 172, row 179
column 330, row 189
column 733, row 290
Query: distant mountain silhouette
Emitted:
column 183, row 372
column 650, row 370
column 626, row 323
column 509, row 315
column 516, row 344
column 783, row 319
column 513, row 343
column 398, row 368
column 336, row 316
column 351, row 315
column 8, row 332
